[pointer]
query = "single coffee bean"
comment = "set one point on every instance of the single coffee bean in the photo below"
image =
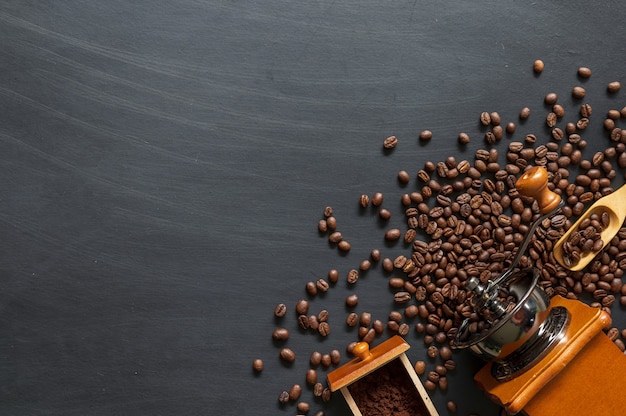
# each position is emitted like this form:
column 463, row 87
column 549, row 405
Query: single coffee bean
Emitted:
column 463, row 138
column 485, row 118
column 335, row 357
column 257, row 365
column 287, row 355
column 451, row 406
column 538, row 66
column 364, row 201
column 393, row 234
column 614, row 86
column 352, row 319
column 551, row 98
column 302, row 307
column 283, row 397
column 295, row 392
column 344, row 246
column 333, row 276
column 524, row 113
column 311, row 377
column 318, row 388
column 303, row 408
column 324, row 329
column 420, row 367
column 323, row 315
column 579, row 92
column 425, row 135
column 377, row 199
column 280, row 310
column 311, row 289
column 390, row 142
column 316, row 358
column 280, row 334
column 584, row 72
column 353, row 276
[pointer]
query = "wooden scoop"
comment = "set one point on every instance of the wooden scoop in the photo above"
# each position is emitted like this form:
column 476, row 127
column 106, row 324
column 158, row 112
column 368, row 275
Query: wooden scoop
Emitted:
column 613, row 204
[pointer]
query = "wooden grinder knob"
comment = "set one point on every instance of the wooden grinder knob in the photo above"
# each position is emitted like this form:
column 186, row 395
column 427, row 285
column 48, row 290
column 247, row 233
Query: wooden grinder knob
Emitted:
column 362, row 350
column 534, row 183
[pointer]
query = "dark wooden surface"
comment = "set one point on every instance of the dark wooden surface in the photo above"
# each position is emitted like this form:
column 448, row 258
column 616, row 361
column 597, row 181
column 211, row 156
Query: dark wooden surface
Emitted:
column 164, row 165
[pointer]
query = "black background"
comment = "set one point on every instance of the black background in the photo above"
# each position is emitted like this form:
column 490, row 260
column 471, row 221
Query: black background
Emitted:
column 164, row 165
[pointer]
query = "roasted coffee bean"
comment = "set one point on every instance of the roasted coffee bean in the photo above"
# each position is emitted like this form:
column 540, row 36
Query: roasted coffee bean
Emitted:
column 287, row 355
column 538, row 66
column 524, row 113
column 335, row 357
column 283, row 397
column 584, row 72
column 614, row 86
column 280, row 334
column 390, row 142
column 579, row 92
column 352, row 300
column 364, row 201
column 324, row 329
column 303, row 408
column 420, row 367
column 295, row 392
column 315, row 359
column 311, row 377
column 257, row 365
column 280, row 310
column 302, row 307
column 377, row 199
column 353, row 276
column 425, row 135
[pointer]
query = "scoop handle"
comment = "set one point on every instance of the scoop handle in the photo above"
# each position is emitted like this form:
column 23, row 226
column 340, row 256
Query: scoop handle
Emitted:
column 534, row 183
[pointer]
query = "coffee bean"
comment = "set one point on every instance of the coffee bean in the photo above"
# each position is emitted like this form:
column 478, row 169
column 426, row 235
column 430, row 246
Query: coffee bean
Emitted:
column 353, row 276
column 333, row 276
column 463, row 138
column 393, row 234
column 579, row 92
column 280, row 310
column 295, row 392
column 524, row 113
column 390, row 142
column 485, row 118
column 283, row 397
column 377, row 199
column 614, row 86
column 584, row 72
column 257, row 365
column 451, row 406
column 420, row 367
column 425, row 135
column 324, row 329
column 335, row 357
column 344, row 246
column 303, row 408
column 538, row 66
column 287, row 355
column 551, row 98
column 280, row 334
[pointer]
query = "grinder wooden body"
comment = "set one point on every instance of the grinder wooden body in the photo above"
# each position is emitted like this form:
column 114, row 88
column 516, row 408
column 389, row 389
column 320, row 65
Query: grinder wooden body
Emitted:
column 582, row 375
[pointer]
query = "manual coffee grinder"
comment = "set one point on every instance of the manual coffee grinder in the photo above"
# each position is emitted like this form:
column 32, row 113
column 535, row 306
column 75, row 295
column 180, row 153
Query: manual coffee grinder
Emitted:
column 544, row 356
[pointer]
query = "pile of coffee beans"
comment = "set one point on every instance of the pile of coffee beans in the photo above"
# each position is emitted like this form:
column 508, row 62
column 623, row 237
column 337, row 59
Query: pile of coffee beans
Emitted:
column 586, row 238
column 465, row 218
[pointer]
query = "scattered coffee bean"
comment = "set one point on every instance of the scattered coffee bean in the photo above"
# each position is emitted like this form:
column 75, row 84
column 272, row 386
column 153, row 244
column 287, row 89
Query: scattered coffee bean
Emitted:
column 287, row 355
column 257, row 365
column 614, row 86
column 538, row 66
column 584, row 72
column 425, row 135
column 295, row 392
column 280, row 310
column 280, row 334
column 390, row 142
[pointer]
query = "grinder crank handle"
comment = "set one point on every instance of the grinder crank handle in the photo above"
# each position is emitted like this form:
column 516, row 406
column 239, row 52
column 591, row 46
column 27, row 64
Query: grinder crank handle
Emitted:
column 534, row 183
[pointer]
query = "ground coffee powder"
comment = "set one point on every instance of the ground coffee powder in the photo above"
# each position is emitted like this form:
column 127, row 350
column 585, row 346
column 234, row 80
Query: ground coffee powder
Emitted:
column 388, row 391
